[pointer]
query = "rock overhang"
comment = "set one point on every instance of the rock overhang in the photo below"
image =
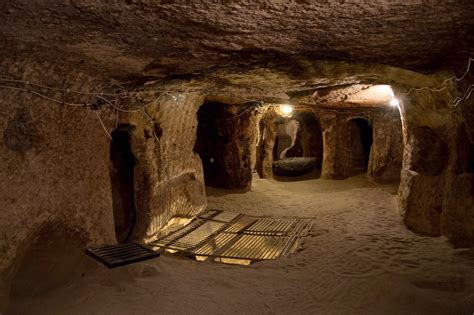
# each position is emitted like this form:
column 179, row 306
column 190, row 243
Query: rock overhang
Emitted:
column 162, row 39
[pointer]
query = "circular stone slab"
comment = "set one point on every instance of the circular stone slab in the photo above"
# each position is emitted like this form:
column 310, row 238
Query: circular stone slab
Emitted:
column 294, row 166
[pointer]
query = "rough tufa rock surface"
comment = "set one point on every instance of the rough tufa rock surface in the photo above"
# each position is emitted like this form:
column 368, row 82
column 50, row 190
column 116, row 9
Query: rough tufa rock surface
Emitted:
column 165, row 38
column 55, row 159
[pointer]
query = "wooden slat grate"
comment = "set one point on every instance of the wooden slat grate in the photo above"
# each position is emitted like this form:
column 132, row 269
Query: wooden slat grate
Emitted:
column 220, row 234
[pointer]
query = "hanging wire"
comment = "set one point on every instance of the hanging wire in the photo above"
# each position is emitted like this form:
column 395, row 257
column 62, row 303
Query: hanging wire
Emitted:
column 121, row 109
column 100, row 95
column 102, row 124
column 443, row 86
column 46, row 97
column 116, row 118
column 129, row 94
column 465, row 96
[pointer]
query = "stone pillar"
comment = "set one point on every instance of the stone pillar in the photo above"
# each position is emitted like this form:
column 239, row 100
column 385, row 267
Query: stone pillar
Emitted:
column 329, row 168
column 427, row 159
column 266, row 145
column 457, row 218
column 240, row 149
column 169, row 177
column 336, row 146
column 387, row 148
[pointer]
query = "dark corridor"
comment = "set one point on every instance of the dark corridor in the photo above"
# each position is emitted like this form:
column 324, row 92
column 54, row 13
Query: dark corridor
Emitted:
column 122, row 162
column 361, row 143
column 210, row 144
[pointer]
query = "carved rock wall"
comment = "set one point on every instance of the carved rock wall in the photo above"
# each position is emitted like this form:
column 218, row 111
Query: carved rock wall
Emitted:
column 54, row 170
column 436, row 195
column 268, row 134
column 387, row 148
column 169, row 176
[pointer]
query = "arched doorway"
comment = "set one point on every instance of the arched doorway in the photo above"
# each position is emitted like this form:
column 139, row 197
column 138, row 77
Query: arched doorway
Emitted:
column 298, row 148
column 361, row 139
column 210, row 145
column 122, row 162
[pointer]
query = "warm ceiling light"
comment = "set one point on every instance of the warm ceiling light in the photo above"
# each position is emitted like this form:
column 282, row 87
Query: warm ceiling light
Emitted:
column 375, row 95
column 286, row 109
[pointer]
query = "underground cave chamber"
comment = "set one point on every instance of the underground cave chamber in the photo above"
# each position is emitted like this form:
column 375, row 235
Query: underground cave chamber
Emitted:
column 125, row 123
column 157, row 163
column 235, row 142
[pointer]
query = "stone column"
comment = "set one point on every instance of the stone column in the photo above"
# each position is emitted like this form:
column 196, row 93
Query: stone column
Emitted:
column 241, row 147
column 266, row 145
column 428, row 128
column 336, row 155
column 168, row 173
column 387, row 148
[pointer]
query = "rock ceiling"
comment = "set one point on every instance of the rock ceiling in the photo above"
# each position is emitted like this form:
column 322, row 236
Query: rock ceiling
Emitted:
column 165, row 40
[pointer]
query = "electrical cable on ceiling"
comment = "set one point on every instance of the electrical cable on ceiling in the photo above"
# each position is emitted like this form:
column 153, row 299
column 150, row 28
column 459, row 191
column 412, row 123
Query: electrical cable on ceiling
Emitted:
column 442, row 86
column 102, row 124
column 128, row 94
column 46, row 97
column 100, row 95
column 466, row 95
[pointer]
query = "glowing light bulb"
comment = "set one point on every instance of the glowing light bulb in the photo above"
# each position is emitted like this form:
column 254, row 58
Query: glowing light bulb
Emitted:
column 286, row 109
column 394, row 102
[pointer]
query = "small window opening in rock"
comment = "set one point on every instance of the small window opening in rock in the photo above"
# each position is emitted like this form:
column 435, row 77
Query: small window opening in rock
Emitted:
column 360, row 144
column 122, row 162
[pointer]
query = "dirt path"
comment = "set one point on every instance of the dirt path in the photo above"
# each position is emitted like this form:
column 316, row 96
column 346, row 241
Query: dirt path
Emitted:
column 360, row 260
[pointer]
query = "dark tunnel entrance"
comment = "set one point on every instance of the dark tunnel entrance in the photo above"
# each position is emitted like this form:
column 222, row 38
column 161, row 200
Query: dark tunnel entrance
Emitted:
column 122, row 162
column 224, row 141
column 210, row 143
column 361, row 139
column 470, row 159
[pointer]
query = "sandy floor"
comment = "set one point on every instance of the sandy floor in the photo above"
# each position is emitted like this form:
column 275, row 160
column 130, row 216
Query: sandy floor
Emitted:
column 360, row 260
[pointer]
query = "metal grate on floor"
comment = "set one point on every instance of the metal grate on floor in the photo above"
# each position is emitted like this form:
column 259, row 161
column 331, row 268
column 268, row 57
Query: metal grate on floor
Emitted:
column 230, row 235
column 122, row 254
